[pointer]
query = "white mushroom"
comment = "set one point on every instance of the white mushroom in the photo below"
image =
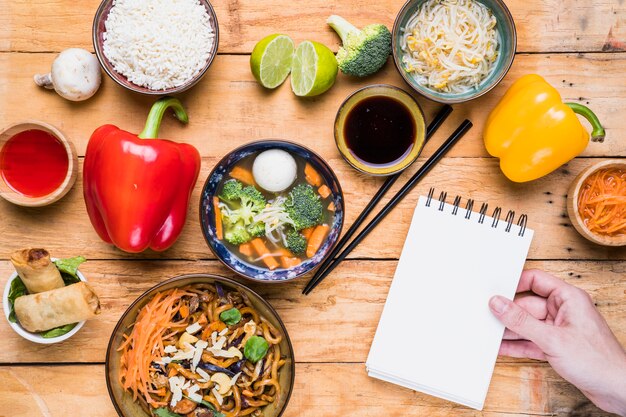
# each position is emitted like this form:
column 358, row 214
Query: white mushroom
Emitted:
column 75, row 75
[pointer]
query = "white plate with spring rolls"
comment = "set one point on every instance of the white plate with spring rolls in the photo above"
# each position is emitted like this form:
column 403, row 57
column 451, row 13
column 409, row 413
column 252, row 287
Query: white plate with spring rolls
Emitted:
column 51, row 309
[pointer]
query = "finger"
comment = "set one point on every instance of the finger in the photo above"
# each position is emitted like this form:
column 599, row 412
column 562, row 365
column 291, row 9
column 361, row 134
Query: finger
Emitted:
column 521, row 322
column 511, row 335
column 539, row 282
column 535, row 305
column 521, row 349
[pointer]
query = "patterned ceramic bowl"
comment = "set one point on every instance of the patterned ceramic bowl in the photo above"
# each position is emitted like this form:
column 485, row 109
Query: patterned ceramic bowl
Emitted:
column 97, row 36
column 123, row 400
column 508, row 45
column 230, row 259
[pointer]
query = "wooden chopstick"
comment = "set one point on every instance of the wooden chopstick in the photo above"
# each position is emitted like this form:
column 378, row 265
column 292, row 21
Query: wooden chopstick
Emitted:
column 440, row 117
column 410, row 184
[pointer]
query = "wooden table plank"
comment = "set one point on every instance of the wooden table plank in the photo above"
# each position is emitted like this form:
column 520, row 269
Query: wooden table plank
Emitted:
column 527, row 389
column 65, row 227
column 543, row 26
column 345, row 309
column 228, row 108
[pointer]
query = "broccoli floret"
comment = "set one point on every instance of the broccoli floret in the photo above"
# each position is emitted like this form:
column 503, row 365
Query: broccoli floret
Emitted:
column 236, row 233
column 304, row 206
column 296, row 243
column 231, row 190
column 256, row 229
column 243, row 202
column 363, row 52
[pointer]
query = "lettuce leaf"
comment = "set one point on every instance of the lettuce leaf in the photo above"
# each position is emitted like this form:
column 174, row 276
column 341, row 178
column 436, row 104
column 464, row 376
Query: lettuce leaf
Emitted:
column 57, row 331
column 17, row 289
column 69, row 267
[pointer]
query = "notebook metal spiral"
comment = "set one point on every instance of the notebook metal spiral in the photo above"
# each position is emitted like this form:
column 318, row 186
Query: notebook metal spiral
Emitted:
column 482, row 213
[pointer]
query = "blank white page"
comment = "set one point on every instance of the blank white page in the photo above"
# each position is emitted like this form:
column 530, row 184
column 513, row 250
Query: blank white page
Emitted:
column 436, row 333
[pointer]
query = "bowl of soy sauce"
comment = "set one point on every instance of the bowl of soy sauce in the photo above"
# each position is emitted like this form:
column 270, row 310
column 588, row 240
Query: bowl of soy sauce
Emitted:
column 380, row 129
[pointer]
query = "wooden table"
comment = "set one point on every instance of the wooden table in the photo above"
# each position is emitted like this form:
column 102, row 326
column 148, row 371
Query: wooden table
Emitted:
column 578, row 45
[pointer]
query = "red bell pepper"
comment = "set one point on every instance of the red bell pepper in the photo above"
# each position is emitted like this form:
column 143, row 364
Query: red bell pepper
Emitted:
column 136, row 187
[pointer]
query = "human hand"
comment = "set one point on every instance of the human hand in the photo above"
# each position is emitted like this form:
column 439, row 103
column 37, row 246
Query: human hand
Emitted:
column 554, row 321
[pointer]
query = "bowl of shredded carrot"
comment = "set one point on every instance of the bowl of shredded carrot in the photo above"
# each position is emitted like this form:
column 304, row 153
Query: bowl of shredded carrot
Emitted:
column 200, row 346
column 597, row 203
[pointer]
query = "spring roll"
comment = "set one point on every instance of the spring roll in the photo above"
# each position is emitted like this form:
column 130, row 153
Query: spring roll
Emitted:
column 58, row 307
column 37, row 271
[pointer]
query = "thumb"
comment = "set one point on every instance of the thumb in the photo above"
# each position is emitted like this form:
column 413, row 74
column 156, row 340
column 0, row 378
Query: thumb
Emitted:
column 520, row 321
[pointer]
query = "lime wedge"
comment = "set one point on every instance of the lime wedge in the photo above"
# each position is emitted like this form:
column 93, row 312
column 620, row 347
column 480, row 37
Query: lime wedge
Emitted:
column 271, row 58
column 314, row 69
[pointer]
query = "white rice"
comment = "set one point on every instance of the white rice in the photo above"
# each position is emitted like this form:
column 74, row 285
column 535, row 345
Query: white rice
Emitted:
column 158, row 44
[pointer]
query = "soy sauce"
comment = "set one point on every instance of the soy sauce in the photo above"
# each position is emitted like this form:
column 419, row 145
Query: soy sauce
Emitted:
column 380, row 131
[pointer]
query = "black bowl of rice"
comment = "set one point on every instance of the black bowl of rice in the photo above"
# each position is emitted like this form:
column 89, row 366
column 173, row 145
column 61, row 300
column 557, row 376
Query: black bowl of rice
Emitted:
column 158, row 47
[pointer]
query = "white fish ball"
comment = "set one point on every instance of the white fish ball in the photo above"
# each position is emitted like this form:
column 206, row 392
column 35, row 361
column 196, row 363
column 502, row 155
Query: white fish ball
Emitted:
column 274, row 170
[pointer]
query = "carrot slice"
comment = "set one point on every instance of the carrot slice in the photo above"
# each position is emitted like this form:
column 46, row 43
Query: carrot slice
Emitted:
column 242, row 175
column 264, row 252
column 324, row 191
column 184, row 311
column 311, row 175
column 316, row 240
column 307, row 232
column 219, row 227
column 331, row 206
column 245, row 249
column 284, row 252
column 288, row 262
column 216, row 326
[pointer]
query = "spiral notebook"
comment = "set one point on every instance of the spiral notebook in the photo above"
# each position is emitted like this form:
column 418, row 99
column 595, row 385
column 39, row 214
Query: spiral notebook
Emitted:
column 436, row 334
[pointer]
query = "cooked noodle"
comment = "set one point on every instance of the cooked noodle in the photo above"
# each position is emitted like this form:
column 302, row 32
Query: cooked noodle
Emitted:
column 450, row 45
column 160, row 373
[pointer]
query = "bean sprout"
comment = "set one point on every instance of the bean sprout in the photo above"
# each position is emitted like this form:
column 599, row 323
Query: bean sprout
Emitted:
column 450, row 45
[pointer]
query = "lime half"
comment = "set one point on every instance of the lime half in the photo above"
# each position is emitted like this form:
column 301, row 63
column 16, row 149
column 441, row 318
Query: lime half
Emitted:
column 314, row 69
column 271, row 58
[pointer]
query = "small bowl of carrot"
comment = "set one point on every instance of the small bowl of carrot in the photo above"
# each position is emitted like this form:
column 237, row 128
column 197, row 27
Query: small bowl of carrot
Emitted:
column 272, row 210
column 596, row 203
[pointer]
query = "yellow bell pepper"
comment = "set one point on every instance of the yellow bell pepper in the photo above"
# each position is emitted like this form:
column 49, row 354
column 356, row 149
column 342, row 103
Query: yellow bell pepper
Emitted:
column 533, row 132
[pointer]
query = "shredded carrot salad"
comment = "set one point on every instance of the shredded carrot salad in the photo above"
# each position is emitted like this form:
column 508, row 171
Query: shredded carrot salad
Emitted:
column 602, row 202
column 153, row 326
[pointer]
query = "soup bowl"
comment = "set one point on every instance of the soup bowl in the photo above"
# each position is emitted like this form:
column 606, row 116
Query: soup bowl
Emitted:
column 228, row 256
column 123, row 400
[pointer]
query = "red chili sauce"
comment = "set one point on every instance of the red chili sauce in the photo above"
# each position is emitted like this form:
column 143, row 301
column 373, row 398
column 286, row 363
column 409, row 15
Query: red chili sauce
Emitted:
column 34, row 163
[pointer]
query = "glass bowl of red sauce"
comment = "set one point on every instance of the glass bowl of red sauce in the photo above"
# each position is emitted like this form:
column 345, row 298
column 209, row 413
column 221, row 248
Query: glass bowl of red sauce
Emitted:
column 38, row 165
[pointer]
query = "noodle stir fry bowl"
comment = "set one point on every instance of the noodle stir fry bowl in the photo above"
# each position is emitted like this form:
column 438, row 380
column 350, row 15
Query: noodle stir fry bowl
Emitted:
column 572, row 204
column 507, row 34
column 123, row 400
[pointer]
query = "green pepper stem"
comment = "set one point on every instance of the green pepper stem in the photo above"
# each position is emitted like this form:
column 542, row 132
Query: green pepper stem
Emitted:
column 597, row 134
column 151, row 130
